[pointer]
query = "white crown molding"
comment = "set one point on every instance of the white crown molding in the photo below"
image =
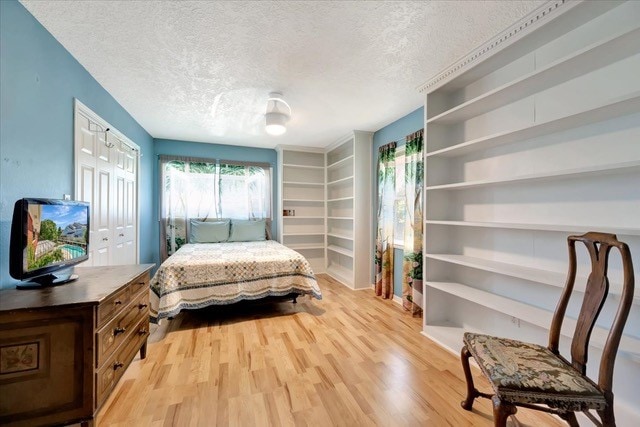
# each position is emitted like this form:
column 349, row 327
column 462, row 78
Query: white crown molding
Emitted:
column 347, row 137
column 540, row 16
column 282, row 147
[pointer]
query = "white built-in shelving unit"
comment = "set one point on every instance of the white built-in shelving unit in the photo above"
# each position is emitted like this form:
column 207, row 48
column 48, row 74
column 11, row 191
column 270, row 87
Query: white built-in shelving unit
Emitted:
column 530, row 138
column 348, row 176
column 302, row 191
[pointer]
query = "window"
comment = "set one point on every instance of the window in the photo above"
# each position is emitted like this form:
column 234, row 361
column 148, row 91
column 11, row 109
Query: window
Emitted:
column 210, row 189
column 400, row 201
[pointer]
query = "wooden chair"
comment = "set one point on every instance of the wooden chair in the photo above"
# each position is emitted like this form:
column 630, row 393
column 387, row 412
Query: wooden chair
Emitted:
column 537, row 377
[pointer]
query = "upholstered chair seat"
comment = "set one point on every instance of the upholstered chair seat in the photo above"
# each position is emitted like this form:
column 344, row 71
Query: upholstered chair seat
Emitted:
column 521, row 372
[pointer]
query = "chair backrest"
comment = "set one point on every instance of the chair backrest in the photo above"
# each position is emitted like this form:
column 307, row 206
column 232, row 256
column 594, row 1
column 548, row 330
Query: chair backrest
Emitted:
column 598, row 245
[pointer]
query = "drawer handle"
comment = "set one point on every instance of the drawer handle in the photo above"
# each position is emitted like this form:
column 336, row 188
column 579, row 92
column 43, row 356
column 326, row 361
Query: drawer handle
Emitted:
column 141, row 306
column 117, row 365
column 118, row 331
column 142, row 332
column 142, row 283
column 117, row 302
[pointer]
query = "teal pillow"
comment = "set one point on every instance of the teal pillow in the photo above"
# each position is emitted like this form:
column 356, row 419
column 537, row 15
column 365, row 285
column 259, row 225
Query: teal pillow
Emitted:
column 243, row 230
column 208, row 231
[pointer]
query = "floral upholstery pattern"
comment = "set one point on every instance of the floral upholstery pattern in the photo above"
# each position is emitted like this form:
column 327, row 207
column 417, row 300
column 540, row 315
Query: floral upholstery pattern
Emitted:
column 522, row 372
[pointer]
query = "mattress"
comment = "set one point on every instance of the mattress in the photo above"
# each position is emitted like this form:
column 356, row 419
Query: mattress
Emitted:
column 204, row 274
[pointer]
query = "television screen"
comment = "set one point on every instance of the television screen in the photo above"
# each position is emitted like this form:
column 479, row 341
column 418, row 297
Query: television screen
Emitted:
column 48, row 235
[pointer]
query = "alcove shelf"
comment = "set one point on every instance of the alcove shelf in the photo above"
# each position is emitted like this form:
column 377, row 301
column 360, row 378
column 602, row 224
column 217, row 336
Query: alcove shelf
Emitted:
column 310, row 184
column 620, row 167
column 531, row 314
column 322, row 190
column 530, row 138
column 532, row 274
column 302, row 197
column 569, row 228
column 348, row 177
column 619, row 107
column 583, row 61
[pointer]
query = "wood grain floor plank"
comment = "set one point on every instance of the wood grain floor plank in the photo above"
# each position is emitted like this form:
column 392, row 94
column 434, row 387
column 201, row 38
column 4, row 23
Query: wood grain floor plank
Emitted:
column 351, row 359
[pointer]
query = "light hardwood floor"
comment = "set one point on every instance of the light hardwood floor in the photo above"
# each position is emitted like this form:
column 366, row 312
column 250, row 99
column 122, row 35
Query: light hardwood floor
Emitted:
column 351, row 359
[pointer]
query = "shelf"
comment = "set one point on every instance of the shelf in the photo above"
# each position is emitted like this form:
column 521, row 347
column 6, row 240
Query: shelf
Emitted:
column 292, row 165
column 530, row 138
column 541, row 227
column 579, row 63
column 340, row 199
column 301, row 217
column 339, row 162
column 340, row 250
column 537, row 275
column 530, row 314
column 340, row 236
column 569, row 173
column 307, row 184
column 303, row 200
column 446, row 335
column 338, row 181
column 303, row 246
column 609, row 110
column 340, row 217
column 340, row 273
column 302, row 234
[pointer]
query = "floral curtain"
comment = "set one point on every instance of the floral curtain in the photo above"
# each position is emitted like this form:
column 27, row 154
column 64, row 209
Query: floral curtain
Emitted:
column 384, row 235
column 203, row 189
column 413, row 226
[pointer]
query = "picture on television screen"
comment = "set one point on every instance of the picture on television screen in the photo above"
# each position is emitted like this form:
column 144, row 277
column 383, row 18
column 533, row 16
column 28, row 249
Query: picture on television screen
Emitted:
column 55, row 233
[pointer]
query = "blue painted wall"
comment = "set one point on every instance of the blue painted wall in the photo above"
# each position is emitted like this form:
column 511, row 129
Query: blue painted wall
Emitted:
column 217, row 151
column 38, row 81
column 395, row 131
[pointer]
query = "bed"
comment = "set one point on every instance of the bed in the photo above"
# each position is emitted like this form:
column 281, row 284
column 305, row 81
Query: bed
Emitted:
column 199, row 275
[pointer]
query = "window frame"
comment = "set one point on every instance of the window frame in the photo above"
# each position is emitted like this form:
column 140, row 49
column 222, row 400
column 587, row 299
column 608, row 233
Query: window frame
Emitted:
column 164, row 160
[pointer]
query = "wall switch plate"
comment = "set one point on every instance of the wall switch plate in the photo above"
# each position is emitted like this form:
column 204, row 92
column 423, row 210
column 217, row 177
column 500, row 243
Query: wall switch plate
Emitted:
column 66, row 196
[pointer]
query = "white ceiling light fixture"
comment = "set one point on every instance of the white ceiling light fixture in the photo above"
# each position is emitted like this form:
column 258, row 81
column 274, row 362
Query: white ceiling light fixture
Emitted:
column 277, row 115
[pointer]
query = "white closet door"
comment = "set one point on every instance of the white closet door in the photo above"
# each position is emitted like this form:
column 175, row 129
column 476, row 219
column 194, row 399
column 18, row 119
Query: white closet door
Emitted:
column 106, row 177
column 95, row 178
column 86, row 142
column 125, row 207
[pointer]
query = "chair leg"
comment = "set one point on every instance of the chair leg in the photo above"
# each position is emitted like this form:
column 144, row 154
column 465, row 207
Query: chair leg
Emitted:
column 472, row 393
column 502, row 411
column 607, row 417
column 570, row 417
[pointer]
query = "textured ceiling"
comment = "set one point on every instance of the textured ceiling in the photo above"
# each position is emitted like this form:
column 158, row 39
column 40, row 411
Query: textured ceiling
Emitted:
column 201, row 71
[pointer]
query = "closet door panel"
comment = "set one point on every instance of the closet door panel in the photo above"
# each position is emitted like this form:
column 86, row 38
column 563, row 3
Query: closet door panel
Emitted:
column 106, row 177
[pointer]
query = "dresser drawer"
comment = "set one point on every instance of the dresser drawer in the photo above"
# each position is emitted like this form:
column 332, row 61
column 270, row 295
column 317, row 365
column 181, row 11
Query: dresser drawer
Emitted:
column 118, row 330
column 109, row 374
column 109, row 308
column 139, row 283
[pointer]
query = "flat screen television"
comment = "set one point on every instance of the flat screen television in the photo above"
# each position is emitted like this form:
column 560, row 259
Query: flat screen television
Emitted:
column 48, row 237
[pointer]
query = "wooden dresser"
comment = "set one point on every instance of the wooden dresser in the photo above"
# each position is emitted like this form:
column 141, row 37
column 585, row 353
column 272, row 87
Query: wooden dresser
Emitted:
column 63, row 349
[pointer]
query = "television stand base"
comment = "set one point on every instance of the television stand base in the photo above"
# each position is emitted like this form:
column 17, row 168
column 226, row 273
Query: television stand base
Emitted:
column 48, row 280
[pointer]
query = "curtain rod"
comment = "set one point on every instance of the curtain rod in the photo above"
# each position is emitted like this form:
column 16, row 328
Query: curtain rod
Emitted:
column 404, row 138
